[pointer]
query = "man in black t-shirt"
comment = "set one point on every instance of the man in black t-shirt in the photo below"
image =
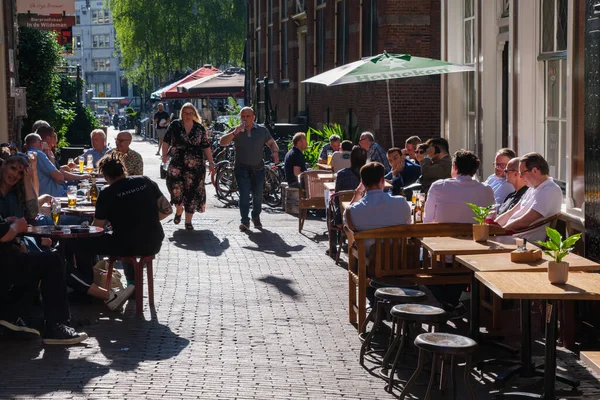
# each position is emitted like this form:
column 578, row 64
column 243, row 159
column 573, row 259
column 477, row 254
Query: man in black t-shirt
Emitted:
column 294, row 162
column 134, row 207
column 161, row 121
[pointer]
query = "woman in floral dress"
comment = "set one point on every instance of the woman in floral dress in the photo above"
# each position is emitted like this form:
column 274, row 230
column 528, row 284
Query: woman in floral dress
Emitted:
column 186, row 141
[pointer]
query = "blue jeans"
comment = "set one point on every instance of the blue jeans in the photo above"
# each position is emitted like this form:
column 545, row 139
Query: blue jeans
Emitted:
column 250, row 180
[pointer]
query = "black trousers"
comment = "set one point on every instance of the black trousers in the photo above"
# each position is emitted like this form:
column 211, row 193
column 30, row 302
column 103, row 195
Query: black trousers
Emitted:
column 87, row 249
column 21, row 272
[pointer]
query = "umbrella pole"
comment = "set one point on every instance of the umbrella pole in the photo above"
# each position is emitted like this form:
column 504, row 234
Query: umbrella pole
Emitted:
column 387, row 83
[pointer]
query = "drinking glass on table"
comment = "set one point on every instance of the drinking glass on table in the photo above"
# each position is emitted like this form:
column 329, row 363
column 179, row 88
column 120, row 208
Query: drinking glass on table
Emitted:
column 72, row 196
column 415, row 196
column 81, row 161
column 329, row 155
column 90, row 164
column 55, row 212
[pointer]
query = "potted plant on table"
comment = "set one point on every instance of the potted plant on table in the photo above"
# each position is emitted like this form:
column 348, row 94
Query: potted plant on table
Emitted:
column 481, row 231
column 555, row 247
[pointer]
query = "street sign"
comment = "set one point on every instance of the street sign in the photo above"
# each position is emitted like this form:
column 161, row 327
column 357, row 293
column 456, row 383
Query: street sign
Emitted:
column 46, row 22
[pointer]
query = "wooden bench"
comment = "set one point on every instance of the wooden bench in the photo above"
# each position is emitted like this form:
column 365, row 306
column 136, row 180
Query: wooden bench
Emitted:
column 592, row 359
column 394, row 253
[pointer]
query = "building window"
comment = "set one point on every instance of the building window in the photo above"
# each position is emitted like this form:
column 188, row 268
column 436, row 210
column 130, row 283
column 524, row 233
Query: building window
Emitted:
column 319, row 35
column 99, row 41
column 553, row 56
column 77, row 19
column 100, row 17
column 300, row 6
column 469, row 77
column 369, row 28
column 257, row 42
column 101, row 64
column 76, row 42
column 342, row 32
column 102, row 89
column 283, row 39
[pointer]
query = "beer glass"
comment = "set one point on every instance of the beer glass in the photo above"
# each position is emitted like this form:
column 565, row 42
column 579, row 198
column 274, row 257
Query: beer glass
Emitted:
column 329, row 155
column 81, row 161
column 55, row 212
column 90, row 164
column 72, row 196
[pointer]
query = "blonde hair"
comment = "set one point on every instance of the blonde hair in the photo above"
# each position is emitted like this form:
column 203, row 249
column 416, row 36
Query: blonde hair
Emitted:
column 97, row 131
column 196, row 115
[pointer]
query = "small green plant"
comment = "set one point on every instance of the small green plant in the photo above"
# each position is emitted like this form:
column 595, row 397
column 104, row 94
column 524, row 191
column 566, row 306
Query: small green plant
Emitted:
column 481, row 213
column 555, row 247
column 233, row 109
column 316, row 139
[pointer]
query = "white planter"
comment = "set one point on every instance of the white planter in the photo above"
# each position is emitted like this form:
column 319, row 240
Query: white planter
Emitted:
column 558, row 273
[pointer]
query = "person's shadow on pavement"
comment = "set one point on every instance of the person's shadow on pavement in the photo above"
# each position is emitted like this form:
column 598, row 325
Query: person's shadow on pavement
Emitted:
column 26, row 374
column 271, row 243
column 204, row 240
column 132, row 340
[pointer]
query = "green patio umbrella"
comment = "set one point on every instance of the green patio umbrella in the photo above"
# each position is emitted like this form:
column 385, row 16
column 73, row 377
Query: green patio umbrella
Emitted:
column 385, row 67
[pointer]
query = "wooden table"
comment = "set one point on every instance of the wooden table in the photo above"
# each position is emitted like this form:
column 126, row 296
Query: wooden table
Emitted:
column 324, row 166
column 329, row 185
column 455, row 246
column 527, row 286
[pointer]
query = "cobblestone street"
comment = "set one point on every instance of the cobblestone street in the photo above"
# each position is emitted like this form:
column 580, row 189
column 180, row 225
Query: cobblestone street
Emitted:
column 257, row 315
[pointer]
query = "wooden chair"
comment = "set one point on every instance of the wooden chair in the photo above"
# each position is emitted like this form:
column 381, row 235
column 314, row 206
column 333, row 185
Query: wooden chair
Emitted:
column 138, row 267
column 332, row 225
column 394, row 253
column 311, row 193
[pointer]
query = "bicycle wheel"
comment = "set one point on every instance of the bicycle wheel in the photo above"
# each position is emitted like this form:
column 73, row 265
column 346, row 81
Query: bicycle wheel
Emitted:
column 272, row 191
column 226, row 186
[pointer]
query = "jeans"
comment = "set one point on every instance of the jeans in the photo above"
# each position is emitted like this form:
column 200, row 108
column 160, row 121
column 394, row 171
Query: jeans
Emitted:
column 250, row 180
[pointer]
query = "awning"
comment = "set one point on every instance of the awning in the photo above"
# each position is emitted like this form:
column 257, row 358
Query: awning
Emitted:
column 170, row 91
column 225, row 82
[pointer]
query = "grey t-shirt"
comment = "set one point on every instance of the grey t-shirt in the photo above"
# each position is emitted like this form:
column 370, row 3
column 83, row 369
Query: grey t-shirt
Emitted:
column 249, row 147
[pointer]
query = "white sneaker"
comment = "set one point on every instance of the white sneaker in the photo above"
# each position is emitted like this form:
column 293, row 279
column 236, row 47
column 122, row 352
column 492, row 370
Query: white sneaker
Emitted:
column 116, row 299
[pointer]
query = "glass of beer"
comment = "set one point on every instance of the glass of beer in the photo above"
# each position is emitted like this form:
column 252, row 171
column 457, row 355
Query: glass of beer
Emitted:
column 329, row 155
column 55, row 212
column 415, row 196
column 72, row 196
column 81, row 161
column 90, row 164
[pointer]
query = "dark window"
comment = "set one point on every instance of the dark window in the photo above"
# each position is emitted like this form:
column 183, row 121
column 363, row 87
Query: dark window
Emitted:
column 284, row 49
column 320, row 39
column 369, row 28
column 342, row 33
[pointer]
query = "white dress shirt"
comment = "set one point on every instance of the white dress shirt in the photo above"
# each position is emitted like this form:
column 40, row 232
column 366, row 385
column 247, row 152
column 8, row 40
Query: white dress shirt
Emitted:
column 447, row 197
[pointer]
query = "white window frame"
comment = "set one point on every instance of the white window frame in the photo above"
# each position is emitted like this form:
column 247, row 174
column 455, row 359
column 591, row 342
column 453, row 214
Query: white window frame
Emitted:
column 470, row 116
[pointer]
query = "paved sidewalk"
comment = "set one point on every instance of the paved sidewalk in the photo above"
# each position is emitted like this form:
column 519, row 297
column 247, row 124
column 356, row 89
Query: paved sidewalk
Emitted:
column 258, row 315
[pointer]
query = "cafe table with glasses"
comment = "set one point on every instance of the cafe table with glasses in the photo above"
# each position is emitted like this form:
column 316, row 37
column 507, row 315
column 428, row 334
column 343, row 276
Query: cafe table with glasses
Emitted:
column 534, row 285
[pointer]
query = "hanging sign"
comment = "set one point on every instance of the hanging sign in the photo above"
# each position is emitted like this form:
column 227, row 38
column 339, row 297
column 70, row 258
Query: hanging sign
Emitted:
column 46, row 7
column 45, row 22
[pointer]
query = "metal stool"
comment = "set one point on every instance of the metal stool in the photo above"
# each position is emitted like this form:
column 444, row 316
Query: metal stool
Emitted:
column 388, row 297
column 138, row 268
column 403, row 315
column 447, row 346
column 381, row 282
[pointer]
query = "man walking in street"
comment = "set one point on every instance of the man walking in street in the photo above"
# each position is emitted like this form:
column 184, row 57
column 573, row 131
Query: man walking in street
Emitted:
column 161, row 122
column 249, row 140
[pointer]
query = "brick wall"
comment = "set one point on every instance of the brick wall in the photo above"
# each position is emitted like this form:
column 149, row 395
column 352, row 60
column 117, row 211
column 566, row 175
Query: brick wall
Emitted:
column 404, row 26
column 9, row 36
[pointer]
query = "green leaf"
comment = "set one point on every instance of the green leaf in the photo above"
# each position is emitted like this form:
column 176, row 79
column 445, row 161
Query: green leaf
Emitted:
column 553, row 235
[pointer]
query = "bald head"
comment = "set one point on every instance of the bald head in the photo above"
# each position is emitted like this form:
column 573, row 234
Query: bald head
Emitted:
column 123, row 141
column 512, row 173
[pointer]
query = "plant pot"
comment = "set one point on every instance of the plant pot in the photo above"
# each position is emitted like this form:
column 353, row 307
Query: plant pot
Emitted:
column 558, row 272
column 481, row 233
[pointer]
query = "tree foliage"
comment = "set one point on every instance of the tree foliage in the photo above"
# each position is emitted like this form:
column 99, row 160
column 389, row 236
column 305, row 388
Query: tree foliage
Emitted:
column 50, row 96
column 157, row 38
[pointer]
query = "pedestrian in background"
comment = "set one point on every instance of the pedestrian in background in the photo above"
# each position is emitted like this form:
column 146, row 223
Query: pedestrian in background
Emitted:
column 186, row 141
column 249, row 140
column 161, row 121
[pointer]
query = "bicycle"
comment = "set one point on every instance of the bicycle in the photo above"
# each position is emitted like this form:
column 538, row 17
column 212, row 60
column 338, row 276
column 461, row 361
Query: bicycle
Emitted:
column 227, row 190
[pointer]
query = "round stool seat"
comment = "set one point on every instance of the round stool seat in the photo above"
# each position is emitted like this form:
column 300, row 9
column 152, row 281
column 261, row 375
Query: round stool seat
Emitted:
column 419, row 313
column 400, row 294
column 392, row 281
column 446, row 343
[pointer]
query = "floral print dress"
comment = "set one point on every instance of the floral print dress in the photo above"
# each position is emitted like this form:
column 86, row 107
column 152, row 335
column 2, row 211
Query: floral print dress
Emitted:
column 187, row 171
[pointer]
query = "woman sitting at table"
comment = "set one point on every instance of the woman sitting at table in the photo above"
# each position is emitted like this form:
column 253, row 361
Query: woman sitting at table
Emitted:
column 134, row 207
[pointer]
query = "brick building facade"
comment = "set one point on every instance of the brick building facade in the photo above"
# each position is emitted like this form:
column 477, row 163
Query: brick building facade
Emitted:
column 8, row 71
column 292, row 40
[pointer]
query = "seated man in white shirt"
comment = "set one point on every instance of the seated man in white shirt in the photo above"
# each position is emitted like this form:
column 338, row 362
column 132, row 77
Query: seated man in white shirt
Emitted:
column 497, row 181
column 543, row 199
column 446, row 203
column 341, row 159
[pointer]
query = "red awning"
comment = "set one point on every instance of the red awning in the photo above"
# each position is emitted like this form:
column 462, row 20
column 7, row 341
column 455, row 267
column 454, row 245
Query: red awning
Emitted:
column 170, row 92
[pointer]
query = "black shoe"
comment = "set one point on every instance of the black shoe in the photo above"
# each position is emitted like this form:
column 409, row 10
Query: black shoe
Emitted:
column 17, row 329
column 458, row 312
column 256, row 222
column 62, row 334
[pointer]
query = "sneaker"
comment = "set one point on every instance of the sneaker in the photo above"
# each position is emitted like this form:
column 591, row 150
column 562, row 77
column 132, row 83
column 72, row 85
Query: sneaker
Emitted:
column 62, row 334
column 257, row 223
column 458, row 312
column 17, row 329
column 116, row 299
column 244, row 227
